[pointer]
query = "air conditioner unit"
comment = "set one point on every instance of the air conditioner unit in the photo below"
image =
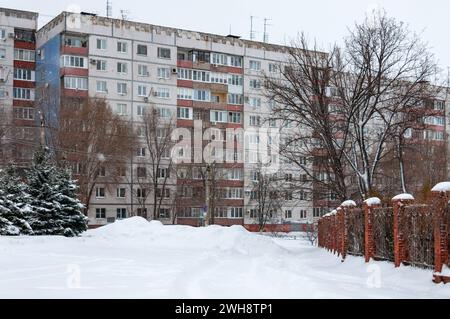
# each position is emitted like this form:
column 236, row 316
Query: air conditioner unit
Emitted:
column 174, row 71
column 216, row 65
column 213, row 123
column 155, row 93
column 146, row 99
column 11, row 35
column 93, row 61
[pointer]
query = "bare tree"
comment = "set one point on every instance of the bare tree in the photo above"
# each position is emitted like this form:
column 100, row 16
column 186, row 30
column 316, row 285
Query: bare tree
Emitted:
column 311, row 233
column 378, row 75
column 96, row 141
column 158, row 165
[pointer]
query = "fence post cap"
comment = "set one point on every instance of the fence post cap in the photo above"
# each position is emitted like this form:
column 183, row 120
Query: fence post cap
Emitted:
column 373, row 201
column 403, row 197
column 348, row 203
column 441, row 187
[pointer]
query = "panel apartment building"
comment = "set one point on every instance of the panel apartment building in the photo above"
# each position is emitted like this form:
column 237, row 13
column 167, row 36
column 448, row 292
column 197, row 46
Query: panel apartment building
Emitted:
column 17, row 84
column 188, row 76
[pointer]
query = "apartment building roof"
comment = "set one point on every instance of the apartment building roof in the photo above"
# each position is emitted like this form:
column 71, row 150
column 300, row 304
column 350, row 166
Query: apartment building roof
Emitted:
column 19, row 14
column 146, row 27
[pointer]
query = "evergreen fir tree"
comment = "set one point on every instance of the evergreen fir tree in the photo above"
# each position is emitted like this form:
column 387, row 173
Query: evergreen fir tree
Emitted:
column 42, row 184
column 74, row 221
column 14, row 207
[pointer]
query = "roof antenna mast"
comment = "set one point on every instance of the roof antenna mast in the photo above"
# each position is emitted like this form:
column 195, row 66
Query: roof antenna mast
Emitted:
column 108, row 9
column 266, row 34
column 252, row 31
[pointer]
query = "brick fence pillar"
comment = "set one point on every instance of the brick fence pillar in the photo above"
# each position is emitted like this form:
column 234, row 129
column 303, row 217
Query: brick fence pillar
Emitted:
column 398, row 202
column 441, row 198
column 369, row 245
column 344, row 210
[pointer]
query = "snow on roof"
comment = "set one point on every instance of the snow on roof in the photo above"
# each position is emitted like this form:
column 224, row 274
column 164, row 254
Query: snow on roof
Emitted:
column 373, row 201
column 403, row 197
column 441, row 187
column 348, row 203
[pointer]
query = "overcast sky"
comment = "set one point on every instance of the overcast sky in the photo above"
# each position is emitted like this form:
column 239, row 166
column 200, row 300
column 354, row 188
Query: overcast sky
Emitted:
column 325, row 20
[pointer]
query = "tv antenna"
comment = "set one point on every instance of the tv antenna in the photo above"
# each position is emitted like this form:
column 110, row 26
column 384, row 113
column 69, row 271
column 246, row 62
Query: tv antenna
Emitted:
column 124, row 14
column 266, row 34
column 252, row 31
column 108, row 9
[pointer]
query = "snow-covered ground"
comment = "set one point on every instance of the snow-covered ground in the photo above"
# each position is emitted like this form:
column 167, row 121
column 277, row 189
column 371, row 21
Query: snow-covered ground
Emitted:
column 137, row 259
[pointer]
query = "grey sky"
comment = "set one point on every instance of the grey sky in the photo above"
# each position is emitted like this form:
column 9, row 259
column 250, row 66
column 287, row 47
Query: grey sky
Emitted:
column 326, row 20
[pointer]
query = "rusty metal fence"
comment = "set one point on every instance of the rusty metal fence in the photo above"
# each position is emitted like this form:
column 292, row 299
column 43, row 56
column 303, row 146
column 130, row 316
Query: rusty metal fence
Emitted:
column 383, row 233
column 355, row 232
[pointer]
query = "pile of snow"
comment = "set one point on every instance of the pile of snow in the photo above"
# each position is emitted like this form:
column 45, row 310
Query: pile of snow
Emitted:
column 445, row 271
column 348, row 203
column 373, row 201
column 441, row 187
column 403, row 197
column 154, row 233
column 332, row 213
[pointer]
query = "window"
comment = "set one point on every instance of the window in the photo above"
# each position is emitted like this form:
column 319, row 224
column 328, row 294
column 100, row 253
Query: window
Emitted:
column 140, row 152
column 236, row 212
column 272, row 122
column 142, row 90
column 255, row 65
column 143, row 70
column 185, row 94
column 163, row 53
column 303, row 214
column 439, row 105
column 122, row 47
column 255, row 120
column 75, row 42
column 288, row 196
column 273, row 68
column 121, row 192
column 235, row 174
column 164, row 213
column 184, row 113
column 122, row 88
column 218, row 58
column 184, row 74
column 3, row 93
column 236, row 80
column 101, row 44
column 163, row 173
column 70, row 61
column 201, row 76
column 75, row 83
column 255, row 84
column 23, row 94
column 141, row 193
column 234, row 193
column 163, row 93
column 218, row 116
column 100, row 192
column 236, row 61
column 24, row 55
column 255, row 102
column 2, row 53
column 121, row 213
column 23, row 74
column 164, row 112
column 221, row 212
column 163, row 73
column 234, row 117
column 142, row 49
column 100, row 213
column 141, row 172
column 101, row 65
column 202, row 95
column 102, row 87
column 163, row 194
column 23, row 113
column 288, row 214
column 121, row 109
column 2, row 34
column 141, row 110
column 220, row 78
column 236, row 99
column 122, row 67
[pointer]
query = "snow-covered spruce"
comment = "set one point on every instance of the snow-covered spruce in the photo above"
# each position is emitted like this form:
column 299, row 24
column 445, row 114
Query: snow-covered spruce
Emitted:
column 55, row 207
column 14, row 208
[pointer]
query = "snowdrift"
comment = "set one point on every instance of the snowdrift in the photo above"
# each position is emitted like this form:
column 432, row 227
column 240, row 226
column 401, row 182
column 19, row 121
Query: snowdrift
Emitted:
column 154, row 233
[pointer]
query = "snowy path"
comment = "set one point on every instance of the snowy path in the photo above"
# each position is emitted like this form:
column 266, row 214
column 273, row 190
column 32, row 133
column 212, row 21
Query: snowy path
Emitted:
column 183, row 262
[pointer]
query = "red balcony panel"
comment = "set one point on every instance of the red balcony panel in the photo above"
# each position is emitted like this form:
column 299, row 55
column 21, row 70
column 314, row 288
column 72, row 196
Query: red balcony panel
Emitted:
column 437, row 128
column 227, row 183
column 235, row 126
column 228, row 221
column 24, row 123
column 24, row 84
column 235, row 108
column 232, row 165
column 185, row 123
column 185, row 84
column 75, row 93
column 195, row 222
column 23, row 103
column 185, row 103
column 185, row 64
column 75, row 51
column 202, row 105
column 74, row 72
column 24, row 45
column 24, row 65
column 231, row 69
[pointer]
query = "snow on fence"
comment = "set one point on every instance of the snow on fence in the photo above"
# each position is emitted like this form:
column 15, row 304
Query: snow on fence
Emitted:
column 405, row 233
